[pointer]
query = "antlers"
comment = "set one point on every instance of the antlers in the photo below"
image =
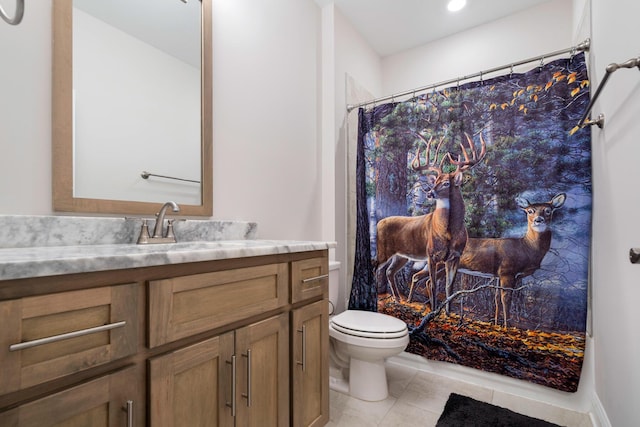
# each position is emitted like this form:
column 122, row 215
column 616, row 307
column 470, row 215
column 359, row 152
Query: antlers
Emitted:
column 430, row 163
column 469, row 162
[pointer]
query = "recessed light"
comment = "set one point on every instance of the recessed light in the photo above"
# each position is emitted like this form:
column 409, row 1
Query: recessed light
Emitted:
column 456, row 5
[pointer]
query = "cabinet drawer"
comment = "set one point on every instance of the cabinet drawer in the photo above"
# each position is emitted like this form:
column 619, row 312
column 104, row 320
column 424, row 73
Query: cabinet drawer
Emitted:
column 309, row 278
column 50, row 336
column 183, row 306
column 100, row 402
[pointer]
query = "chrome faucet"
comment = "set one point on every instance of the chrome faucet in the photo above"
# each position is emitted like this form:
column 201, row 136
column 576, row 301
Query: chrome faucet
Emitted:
column 157, row 230
column 158, row 235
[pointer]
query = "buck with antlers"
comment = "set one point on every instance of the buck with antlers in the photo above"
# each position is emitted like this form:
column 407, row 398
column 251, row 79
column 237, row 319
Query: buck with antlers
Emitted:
column 438, row 237
column 513, row 258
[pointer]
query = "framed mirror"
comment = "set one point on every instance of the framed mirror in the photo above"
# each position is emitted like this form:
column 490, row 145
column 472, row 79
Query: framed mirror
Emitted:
column 132, row 106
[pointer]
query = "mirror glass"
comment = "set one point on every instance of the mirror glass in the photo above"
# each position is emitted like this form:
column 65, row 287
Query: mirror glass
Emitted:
column 132, row 105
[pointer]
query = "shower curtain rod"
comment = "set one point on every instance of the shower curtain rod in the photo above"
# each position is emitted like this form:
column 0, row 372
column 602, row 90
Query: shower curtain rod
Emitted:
column 582, row 47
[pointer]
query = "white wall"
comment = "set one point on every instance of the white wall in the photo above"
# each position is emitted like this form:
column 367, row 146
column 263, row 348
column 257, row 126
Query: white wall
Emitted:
column 266, row 142
column 266, row 148
column 25, row 113
column 616, row 149
column 544, row 28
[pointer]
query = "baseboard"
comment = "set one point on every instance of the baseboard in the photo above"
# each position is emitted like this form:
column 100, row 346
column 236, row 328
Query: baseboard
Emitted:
column 598, row 414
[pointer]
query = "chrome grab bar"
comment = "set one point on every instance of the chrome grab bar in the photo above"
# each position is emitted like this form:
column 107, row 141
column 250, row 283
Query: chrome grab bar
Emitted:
column 631, row 63
column 65, row 336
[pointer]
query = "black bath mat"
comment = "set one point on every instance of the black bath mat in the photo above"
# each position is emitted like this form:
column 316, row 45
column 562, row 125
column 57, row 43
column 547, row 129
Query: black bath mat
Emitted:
column 463, row 411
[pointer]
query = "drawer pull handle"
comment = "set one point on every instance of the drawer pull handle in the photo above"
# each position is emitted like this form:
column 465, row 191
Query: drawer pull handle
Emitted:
column 66, row 336
column 129, row 410
column 248, row 394
column 232, row 404
column 316, row 278
column 304, row 348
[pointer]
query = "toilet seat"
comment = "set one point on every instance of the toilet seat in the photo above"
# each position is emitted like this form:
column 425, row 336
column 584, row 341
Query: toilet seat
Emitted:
column 368, row 324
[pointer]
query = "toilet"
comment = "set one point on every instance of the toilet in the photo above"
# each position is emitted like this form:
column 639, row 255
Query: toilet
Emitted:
column 360, row 341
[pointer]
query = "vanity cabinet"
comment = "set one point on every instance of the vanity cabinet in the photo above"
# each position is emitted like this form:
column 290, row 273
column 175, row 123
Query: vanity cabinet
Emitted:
column 234, row 342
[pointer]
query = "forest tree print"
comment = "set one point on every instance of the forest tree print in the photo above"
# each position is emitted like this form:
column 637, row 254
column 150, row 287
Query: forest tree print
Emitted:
column 489, row 184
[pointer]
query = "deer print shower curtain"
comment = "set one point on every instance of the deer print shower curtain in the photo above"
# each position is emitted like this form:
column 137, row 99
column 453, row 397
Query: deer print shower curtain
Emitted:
column 474, row 219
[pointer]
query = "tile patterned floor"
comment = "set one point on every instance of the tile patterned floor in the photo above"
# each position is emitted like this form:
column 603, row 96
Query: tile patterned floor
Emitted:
column 416, row 398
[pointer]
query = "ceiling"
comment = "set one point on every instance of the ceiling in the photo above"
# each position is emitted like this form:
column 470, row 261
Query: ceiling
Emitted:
column 389, row 26
column 171, row 26
column 392, row 26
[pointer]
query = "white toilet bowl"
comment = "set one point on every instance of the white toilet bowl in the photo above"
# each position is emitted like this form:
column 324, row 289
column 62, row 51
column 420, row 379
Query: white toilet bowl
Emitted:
column 360, row 343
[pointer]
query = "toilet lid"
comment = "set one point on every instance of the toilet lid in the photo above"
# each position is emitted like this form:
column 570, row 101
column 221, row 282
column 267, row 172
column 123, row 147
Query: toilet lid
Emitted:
column 369, row 324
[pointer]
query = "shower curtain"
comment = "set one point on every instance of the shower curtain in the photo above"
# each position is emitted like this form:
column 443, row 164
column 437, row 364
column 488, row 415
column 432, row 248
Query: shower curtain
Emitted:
column 510, row 147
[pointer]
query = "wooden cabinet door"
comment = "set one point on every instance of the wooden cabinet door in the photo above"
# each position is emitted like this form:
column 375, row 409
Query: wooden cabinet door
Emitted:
column 98, row 403
column 192, row 386
column 46, row 337
column 310, row 364
column 262, row 390
column 195, row 387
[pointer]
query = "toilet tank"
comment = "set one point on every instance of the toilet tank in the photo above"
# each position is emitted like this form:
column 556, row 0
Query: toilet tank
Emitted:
column 335, row 306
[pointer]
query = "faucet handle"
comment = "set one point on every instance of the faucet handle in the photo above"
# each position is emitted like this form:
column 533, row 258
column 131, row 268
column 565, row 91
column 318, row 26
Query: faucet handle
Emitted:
column 170, row 233
column 144, row 233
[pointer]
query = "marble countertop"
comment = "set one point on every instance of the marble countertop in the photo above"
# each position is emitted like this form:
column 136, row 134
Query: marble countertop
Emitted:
column 18, row 263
